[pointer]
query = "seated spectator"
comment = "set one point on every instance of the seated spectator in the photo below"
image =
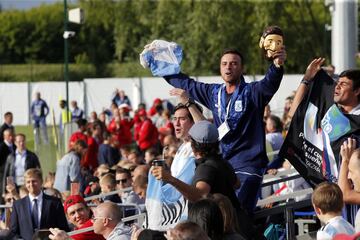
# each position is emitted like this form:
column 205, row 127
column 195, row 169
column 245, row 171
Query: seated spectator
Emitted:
column 186, row 230
column 92, row 186
column 140, row 170
column 125, row 150
column 207, row 214
column 140, row 186
column 108, row 184
column 150, row 155
column 231, row 225
column 106, row 221
column 135, row 157
column 123, row 180
column 327, row 200
column 79, row 214
column 102, row 170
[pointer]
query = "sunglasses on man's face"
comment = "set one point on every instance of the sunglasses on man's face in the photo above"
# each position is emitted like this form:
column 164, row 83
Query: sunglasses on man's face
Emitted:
column 121, row 181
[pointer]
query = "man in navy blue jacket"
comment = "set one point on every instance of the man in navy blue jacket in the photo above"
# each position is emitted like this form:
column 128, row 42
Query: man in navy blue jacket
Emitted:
column 238, row 109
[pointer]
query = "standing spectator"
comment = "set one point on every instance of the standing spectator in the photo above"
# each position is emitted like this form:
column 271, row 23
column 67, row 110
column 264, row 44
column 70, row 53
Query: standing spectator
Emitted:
column 37, row 210
column 7, row 147
column 8, row 119
column 65, row 116
column 68, row 168
column 76, row 112
column 238, row 109
column 182, row 167
column 119, row 98
column 108, row 153
column 20, row 161
column 79, row 214
column 148, row 134
column 39, row 112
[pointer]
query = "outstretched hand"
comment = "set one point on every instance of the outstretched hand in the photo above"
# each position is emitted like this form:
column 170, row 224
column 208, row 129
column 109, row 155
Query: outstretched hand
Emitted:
column 182, row 94
column 313, row 68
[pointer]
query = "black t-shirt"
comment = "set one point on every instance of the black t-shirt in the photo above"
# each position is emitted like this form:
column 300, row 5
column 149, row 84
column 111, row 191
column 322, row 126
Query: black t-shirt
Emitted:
column 220, row 176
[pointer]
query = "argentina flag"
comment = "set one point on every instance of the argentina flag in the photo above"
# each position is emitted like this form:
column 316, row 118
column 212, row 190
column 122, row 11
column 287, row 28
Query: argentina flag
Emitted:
column 165, row 205
column 162, row 57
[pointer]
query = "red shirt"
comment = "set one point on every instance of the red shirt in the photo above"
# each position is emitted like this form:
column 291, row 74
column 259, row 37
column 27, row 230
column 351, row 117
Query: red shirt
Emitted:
column 87, row 235
column 123, row 133
column 148, row 135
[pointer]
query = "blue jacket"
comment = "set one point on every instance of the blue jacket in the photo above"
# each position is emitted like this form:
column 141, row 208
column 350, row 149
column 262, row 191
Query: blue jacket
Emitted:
column 244, row 144
column 39, row 109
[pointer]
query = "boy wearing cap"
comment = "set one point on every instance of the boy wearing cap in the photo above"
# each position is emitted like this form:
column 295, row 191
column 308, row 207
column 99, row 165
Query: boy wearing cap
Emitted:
column 79, row 214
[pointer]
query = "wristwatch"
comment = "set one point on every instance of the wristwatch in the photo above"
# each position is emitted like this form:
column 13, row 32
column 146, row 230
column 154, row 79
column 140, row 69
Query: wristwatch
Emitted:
column 189, row 102
column 306, row 82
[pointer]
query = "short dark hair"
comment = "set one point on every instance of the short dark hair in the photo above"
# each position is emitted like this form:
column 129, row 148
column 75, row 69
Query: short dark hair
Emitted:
column 233, row 51
column 81, row 122
column 277, row 123
column 205, row 149
column 354, row 75
column 182, row 106
column 8, row 114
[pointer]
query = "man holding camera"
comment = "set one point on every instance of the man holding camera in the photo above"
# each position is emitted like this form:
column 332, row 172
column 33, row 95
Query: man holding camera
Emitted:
column 165, row 196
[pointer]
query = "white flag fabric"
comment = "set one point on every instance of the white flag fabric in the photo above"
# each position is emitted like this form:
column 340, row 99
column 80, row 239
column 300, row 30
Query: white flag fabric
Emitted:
column 162, row 57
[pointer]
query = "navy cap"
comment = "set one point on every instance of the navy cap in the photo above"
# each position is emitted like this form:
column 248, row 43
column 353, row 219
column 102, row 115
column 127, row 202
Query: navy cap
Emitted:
column 204, row 132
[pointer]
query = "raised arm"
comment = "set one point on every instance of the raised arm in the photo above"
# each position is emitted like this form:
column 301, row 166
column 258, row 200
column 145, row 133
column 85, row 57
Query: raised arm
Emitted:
column 303, row 88
column 349, row 194
column 185, row 100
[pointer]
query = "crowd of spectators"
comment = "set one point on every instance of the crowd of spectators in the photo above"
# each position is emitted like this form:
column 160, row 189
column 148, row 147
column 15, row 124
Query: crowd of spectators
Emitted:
column 167, row 161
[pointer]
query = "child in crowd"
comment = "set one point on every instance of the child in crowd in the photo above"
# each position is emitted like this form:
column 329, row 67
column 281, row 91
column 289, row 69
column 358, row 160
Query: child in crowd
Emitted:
column 328, row 202
column 108, row 184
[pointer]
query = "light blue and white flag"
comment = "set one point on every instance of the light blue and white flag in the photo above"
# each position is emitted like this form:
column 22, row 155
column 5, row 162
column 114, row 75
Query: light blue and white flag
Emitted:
column 162, row 57
column 165, row 205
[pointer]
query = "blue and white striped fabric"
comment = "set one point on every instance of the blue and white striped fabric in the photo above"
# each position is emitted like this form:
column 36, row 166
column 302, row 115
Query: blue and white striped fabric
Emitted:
column 335, row 226
column 162, row 57
column 165, row 205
